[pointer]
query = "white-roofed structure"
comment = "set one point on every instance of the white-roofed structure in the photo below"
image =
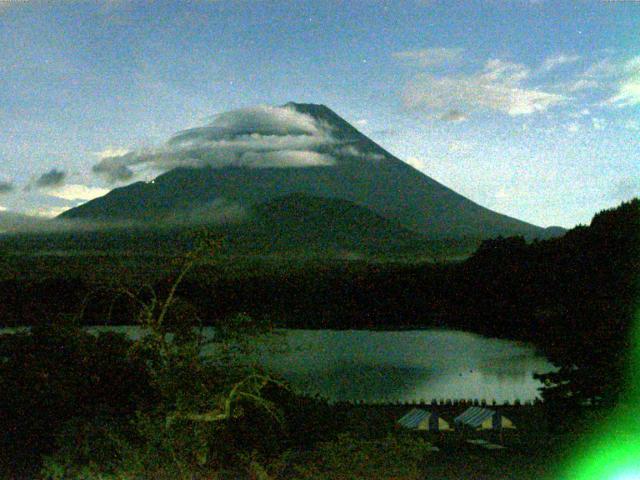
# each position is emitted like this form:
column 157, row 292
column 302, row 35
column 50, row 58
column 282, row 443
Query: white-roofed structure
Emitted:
column 418, row 419
column 478, row 418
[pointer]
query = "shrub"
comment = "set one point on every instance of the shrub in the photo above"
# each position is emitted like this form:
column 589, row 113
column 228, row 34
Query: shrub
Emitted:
column 196, row 425
column 346, row 457
column 57, row 373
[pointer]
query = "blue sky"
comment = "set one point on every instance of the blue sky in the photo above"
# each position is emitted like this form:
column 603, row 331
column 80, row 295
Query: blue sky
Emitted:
column 530, row 108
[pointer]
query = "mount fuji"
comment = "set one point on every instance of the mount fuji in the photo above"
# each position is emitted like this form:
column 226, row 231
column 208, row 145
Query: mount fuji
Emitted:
column 306, row 152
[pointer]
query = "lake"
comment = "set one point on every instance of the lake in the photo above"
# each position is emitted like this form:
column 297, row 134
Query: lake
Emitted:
column 377, row 366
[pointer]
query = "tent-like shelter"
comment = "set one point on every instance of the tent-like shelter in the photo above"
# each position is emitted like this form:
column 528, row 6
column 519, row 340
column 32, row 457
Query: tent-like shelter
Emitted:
column 418, row 419
column 478, row 418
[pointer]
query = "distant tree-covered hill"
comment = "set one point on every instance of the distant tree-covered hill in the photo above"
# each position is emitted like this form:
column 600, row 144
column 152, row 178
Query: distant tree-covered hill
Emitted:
column 574, row 296
column 295, row 225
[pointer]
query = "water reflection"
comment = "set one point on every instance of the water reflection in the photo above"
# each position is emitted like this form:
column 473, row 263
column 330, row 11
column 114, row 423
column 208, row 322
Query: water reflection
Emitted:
column 354, row 381
column 408, row 365
column 405, row 365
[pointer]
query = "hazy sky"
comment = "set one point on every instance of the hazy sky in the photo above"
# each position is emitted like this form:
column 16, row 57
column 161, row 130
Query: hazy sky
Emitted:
column 530, row 108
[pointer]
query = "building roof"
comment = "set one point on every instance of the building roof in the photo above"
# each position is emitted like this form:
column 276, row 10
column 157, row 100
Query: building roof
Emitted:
column 474, row 416
column 413, row 418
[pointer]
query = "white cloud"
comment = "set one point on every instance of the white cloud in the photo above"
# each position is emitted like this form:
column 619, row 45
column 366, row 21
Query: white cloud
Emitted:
column 285, row 159
column 498, row 87
column 582, row 113
column 430, row 57
column 628, row 94
column 633, row 125
column 602, row 69
column 263, row 119
column 362, row 122
column 581, row 84
column 496, row 70
column 48, row 211
column 574, row 127
column 415, row 162
column 353, row 151
column 350, row 150
column 458, row 146
column 620, row 77
column 111, row 152
column 258, row 137
column 598, row 123
column 628, row 83
column 502, row 193
column 551, row 63
column 76, row 192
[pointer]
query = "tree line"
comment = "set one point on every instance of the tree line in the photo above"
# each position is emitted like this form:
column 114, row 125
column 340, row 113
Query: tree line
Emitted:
column 572, row 296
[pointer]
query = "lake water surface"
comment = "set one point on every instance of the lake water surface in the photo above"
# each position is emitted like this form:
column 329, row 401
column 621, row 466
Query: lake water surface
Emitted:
column 405, row 365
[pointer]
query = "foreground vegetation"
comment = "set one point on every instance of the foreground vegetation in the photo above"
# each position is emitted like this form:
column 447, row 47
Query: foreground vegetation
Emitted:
column 78, row 405
column 81, row 406
column 572, row 296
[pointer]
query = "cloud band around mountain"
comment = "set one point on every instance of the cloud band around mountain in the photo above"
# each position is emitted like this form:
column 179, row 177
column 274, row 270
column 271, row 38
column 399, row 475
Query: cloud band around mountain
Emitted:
column 258, row 137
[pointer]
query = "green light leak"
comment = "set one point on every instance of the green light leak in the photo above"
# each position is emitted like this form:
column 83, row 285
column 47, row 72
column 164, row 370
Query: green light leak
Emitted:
column 614, row 452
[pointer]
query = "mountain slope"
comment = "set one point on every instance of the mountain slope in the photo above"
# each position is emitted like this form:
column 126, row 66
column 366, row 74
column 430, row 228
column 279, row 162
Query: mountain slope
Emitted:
column 306, row 223
column 363, row 173
column 296, row 223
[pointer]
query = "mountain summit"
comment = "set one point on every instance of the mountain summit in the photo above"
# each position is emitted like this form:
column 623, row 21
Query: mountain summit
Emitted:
column 252, row 156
